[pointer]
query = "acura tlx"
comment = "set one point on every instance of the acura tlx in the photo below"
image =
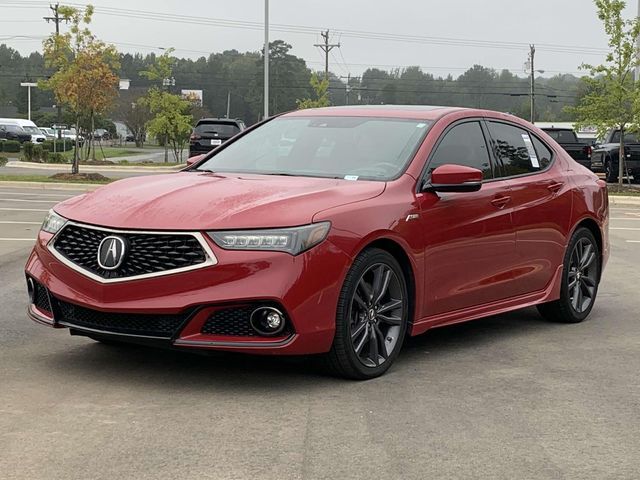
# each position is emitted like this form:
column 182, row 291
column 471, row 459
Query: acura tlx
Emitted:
column 336, row 232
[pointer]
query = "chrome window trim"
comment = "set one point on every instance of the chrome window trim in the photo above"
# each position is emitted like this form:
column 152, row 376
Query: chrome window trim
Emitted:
column 210, row 258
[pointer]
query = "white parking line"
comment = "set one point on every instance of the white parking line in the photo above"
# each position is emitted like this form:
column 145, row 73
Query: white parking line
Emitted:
column 626, row 218
column 17, row 222
column 6, row 239
column 37, row 194
column 625, row 228
column 7, row 209
column 633, row 241
column 26, row 201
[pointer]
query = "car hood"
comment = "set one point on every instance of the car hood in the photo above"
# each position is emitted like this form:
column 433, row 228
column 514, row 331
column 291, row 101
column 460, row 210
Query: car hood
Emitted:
column 202, row 201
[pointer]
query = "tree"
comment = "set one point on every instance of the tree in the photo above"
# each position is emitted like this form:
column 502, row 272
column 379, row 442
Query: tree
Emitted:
column 321, row 90
column 171, row 119
column 85, row 80
column 136, row 114
column 613, row 96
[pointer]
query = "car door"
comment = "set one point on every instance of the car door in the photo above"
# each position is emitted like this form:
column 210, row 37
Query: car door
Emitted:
column 469, row 237
column 541, row 201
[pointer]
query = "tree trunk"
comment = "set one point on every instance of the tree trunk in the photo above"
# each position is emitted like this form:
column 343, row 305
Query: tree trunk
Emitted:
column 93, row 129
column 75, row 169
column 621, row 157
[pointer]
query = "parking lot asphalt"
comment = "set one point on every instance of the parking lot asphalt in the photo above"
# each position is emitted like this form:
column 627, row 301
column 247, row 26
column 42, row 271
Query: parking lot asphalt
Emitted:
column 507, row 397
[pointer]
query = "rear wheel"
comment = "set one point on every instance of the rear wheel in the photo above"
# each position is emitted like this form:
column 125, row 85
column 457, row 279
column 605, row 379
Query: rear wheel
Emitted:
column 611, row 175
column 580, row 278
column 371, row 319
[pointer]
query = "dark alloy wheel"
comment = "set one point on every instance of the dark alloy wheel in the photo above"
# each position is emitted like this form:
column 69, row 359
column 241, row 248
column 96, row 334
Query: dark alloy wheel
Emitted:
column 580, row 280
column 372, row 317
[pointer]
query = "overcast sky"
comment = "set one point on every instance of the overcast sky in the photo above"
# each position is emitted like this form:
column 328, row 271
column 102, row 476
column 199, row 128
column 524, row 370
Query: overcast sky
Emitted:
column 550, row 24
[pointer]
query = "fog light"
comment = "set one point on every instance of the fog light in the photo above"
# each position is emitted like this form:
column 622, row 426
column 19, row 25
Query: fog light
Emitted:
column 267, row 321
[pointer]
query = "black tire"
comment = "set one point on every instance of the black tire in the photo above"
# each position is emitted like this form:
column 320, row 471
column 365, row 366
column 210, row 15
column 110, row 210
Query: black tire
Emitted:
column 580, row 280
column 610, row 173
column 381, row 326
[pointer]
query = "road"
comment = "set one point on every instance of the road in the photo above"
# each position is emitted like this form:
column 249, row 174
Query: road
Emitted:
column 508, row 397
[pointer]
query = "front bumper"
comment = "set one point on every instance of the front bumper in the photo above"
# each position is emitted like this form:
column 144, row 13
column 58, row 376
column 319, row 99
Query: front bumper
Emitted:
column 305, row 288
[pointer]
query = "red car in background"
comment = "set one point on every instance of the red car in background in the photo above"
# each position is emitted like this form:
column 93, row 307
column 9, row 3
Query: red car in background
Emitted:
column 334, row 231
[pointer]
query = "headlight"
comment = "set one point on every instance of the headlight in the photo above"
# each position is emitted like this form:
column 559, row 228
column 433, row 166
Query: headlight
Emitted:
column 293, row 240
column 53, row 222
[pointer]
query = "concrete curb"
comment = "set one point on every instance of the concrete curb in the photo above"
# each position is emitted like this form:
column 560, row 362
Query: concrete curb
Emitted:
column 82, row 187
column 93, row 168
column 623, row 200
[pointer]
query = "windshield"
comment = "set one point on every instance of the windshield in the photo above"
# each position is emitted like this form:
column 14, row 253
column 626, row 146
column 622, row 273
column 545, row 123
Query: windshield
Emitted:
column 218, row 129
column 32, row 130
column 336, row 147
column 628, row 137
column 563, row 136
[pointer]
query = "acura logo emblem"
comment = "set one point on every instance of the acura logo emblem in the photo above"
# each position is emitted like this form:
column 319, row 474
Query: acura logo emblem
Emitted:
column 111, row 252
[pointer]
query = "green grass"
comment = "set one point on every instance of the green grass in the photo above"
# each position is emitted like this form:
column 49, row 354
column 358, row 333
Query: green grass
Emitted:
column 46, row 179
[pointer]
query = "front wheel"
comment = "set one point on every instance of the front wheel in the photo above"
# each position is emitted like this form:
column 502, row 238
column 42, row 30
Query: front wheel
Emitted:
column 580, row 279
column 372, row 317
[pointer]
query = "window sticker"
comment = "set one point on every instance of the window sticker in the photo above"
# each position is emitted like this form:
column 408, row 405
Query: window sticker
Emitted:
column 421, row 125
column 532, row 151
column 351, row 177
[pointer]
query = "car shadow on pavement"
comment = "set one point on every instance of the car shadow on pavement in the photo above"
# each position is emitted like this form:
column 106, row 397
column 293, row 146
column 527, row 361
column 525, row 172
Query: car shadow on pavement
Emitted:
column 131, row 364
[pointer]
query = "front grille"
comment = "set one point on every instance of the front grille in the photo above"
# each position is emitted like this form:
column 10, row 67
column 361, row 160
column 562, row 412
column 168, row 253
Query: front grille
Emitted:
column 149, row 325
column 230, row 322
column 41, row 297
column 148, row 252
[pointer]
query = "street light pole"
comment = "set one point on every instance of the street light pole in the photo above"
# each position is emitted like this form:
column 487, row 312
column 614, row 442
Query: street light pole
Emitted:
column 266, row 59
column 28, row 85
column 637, row 73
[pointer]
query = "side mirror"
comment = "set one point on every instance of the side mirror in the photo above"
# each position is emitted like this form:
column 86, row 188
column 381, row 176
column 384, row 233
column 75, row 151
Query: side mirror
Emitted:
column 454, row 178
column 194, row 159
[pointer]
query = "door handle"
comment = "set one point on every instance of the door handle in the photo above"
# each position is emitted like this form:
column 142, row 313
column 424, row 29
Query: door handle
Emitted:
column 555, row 187
column 500, row 202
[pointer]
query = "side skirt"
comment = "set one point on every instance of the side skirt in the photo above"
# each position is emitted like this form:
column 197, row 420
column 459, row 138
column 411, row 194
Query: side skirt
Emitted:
column 549, row 294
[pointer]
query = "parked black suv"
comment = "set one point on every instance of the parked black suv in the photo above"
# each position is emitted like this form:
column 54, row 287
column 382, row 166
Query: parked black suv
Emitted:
column 212, row 132
column 14, row 132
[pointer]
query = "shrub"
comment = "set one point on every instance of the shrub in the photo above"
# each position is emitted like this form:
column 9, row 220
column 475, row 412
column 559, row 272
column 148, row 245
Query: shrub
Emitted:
column 28, row 151
column 3, row 161
column 61, row 146
column 56, row 158
column 12, row 146
column 36, row 154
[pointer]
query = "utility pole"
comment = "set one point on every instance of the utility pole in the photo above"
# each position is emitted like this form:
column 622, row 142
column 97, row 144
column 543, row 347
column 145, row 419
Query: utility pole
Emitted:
column 266, row 59
column 56, row 19
column 532, row 54
column 326, row 47
column 228, row 102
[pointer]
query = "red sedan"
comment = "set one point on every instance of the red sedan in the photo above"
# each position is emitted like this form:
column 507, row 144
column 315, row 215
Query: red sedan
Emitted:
column 336, row 231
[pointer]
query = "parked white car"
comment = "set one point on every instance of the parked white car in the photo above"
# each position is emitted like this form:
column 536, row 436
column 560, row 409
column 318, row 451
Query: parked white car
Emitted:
column 27, row 125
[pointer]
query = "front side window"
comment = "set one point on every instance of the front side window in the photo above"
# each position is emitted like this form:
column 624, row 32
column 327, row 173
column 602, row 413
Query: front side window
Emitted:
column 515, row 149
column 464, row 145
column 336, row 147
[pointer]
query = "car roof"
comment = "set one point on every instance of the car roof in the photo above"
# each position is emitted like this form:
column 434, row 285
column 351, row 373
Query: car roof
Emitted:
column 420, row 112
column 218, row 120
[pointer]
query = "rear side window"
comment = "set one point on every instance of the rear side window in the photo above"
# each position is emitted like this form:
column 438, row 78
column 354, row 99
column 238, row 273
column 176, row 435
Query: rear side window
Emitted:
column 464, row 145
column 543, row 152
column 515, row 149
column 219, row 129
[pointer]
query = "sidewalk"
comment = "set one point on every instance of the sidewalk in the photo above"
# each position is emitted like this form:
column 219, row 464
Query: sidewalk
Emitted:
column 57, row 167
